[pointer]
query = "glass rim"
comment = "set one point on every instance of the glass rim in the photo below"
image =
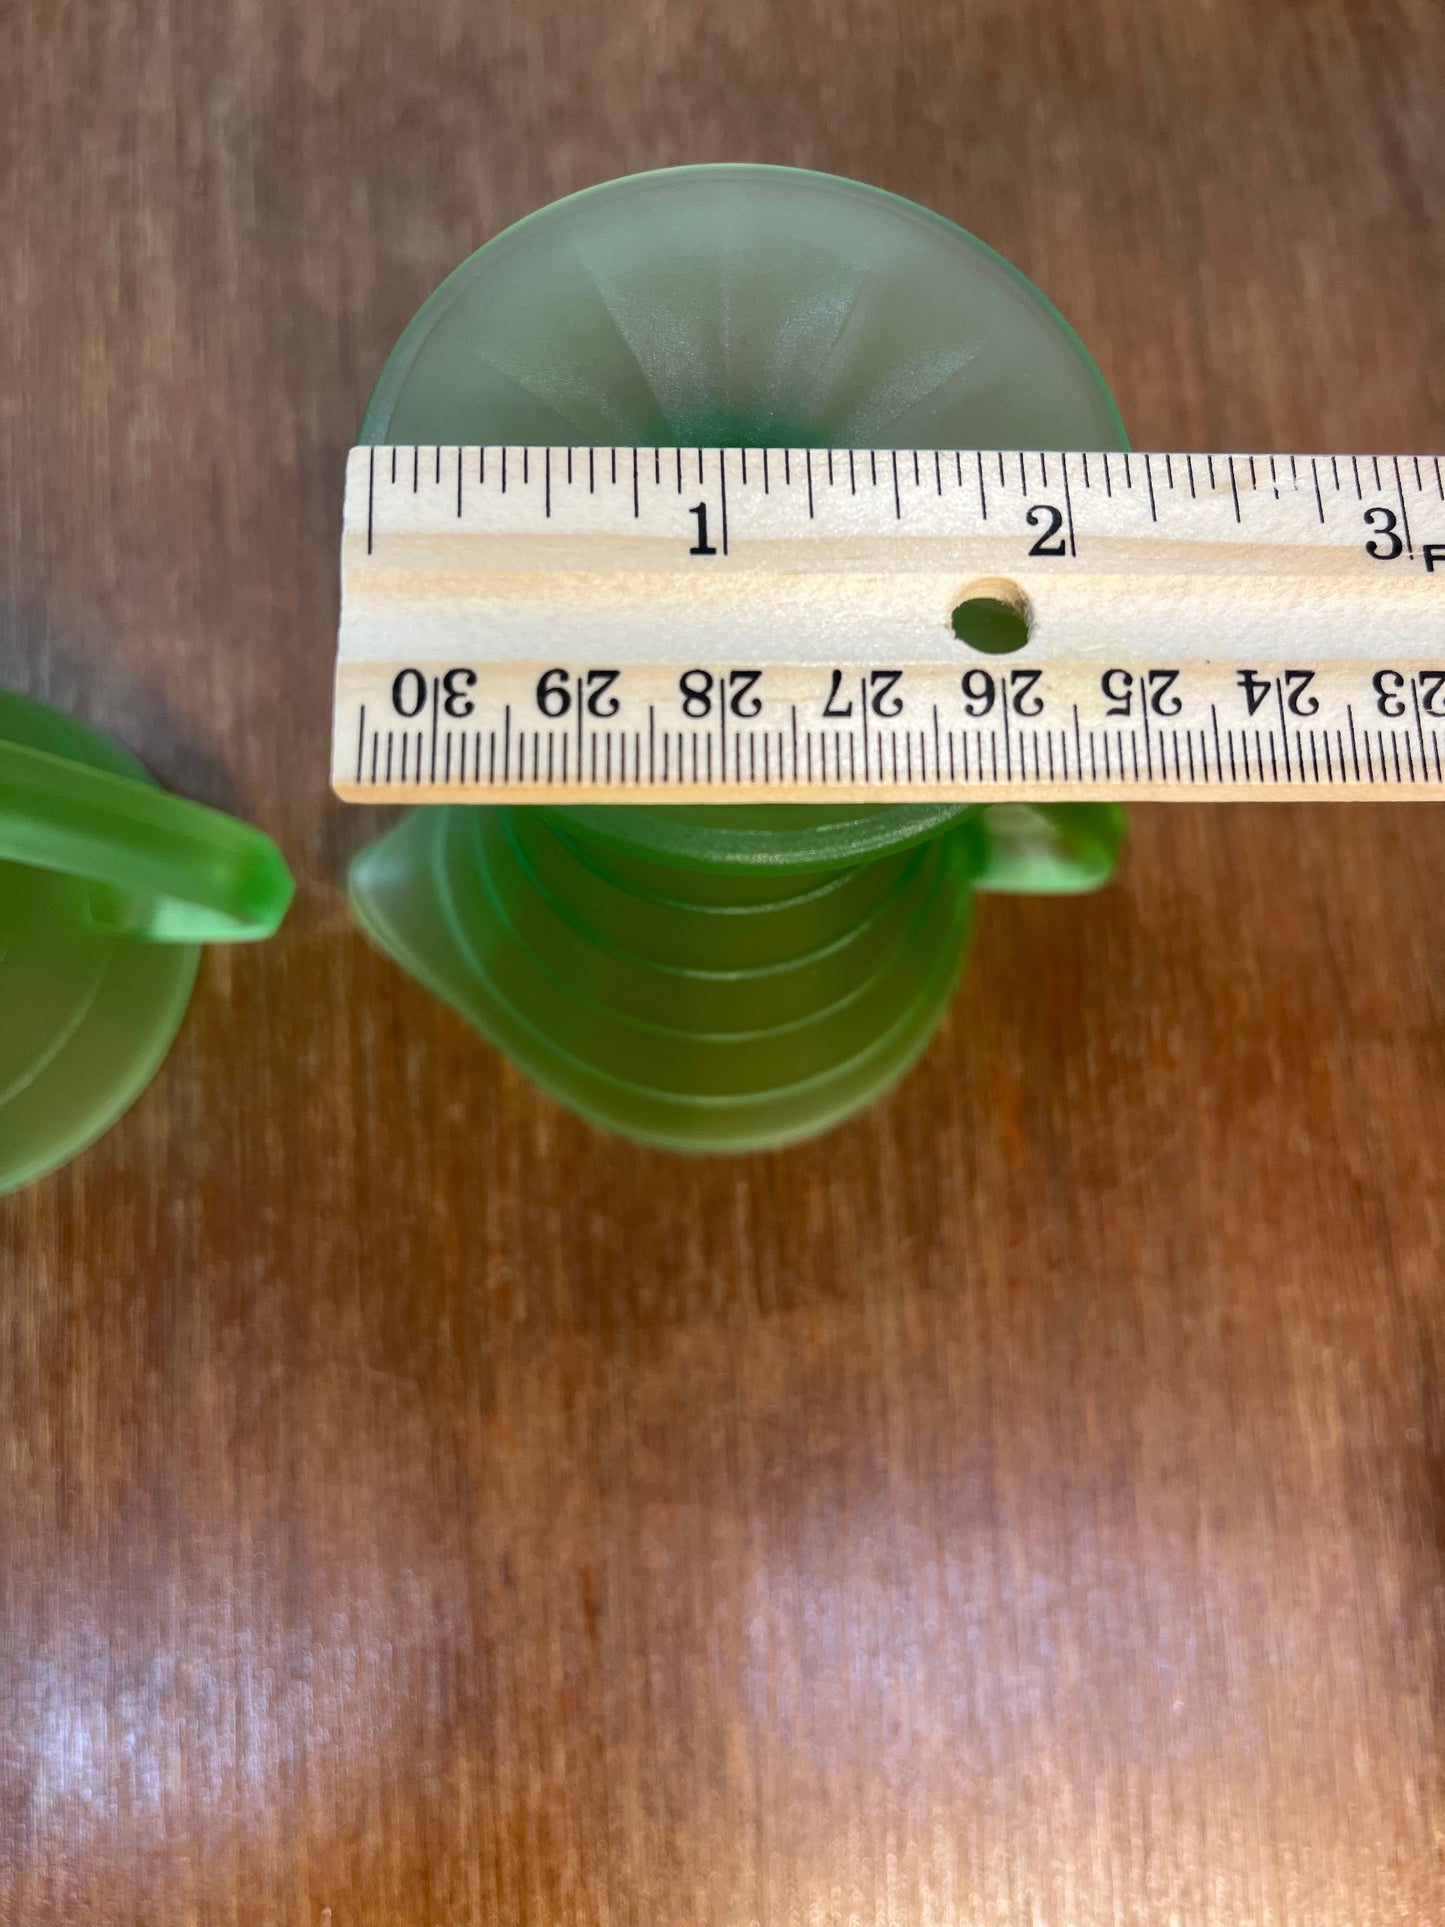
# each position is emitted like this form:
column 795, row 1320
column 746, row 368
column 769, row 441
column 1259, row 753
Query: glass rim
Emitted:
column 376, row 417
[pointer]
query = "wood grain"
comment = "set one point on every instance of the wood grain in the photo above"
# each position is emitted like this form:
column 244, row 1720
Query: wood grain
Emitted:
column 1025, row 1505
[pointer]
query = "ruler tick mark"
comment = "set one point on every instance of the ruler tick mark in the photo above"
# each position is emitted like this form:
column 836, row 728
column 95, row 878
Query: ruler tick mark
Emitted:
column 1069, row 504
column 1404, row 512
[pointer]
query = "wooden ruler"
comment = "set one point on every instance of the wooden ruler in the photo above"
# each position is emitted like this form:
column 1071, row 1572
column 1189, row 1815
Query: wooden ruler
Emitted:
column 721, row 625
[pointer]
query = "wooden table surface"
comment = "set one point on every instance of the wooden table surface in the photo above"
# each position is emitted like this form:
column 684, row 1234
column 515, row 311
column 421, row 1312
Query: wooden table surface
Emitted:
column 1025, row 1505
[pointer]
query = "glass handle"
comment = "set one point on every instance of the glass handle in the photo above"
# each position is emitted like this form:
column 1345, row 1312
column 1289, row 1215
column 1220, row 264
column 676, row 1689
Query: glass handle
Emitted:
column 1049, row 849
column 160, row 869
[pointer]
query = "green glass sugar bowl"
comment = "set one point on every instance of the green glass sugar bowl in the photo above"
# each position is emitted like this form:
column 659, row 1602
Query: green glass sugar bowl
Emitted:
column 108, row 888
column 727, row 977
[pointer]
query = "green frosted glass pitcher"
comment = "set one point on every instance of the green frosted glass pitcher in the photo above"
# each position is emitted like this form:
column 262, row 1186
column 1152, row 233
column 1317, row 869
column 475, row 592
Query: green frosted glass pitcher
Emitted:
column 108, row 887
column 732, row 976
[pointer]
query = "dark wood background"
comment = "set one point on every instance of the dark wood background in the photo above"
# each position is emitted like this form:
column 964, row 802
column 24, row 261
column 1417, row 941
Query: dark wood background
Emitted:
column 1026, row 1505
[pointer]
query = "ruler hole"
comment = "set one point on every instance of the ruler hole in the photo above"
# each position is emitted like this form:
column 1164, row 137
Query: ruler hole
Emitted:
column 994, row 616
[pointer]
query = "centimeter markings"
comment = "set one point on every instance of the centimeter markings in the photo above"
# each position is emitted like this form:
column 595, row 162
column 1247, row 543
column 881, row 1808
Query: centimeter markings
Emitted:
column 600, row 623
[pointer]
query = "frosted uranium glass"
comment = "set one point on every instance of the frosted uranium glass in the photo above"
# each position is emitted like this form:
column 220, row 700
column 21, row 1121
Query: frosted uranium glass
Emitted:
column 106, row 886
column 731, row 976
